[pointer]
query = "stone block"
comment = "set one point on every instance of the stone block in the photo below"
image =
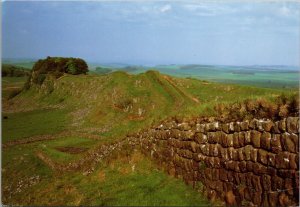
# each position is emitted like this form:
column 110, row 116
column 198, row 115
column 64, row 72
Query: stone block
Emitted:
column 267, row 125
column 275, row 128
column 225, row 127
column 254, row 155
column 282, row 160
column 262, row 156
column 223, row 174
column 241, row 154
column 265, row 141
column 287, row 142
column 236, row 126
column 292, row 124
column 255, row 138
column 231, row 127
column 184, row 126
column 229, row 140
column 244, row 125
column 243, row 166
column 266, row 182
column 282, row 125
column 194, row 146
column 271, row 159
column 253, row 124
column 277, row 183
column 242, row 139
column 275, row 143
column 236, row 140
column 200, row 128
column 247, row 137
column 247, row 152
column 256, row 183
column 201, row 138
column 273, row 199
column 293, row 161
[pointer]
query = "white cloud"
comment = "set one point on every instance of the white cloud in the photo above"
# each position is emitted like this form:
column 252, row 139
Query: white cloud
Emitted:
column 165, row 8
column 285, row 11
column 204, row 9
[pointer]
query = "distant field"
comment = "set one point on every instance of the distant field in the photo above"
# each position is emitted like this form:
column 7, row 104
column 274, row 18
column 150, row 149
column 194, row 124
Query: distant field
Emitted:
column 262, row 76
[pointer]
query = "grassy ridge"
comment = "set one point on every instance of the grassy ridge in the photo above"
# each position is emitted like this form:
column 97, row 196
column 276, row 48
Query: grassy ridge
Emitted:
column 110, row 106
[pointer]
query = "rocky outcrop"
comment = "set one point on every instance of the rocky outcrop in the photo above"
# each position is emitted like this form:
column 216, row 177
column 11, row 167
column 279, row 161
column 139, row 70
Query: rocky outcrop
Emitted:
column 253, row 162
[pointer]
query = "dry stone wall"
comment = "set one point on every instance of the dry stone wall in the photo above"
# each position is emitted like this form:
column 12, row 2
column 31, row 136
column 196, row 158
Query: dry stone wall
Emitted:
column 247, row 163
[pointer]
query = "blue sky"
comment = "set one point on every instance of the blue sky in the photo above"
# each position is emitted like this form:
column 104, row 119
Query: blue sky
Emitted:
column 181, row 32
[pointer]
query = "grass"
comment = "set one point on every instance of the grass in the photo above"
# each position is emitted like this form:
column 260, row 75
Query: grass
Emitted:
column 38, row 122
column 113, row 183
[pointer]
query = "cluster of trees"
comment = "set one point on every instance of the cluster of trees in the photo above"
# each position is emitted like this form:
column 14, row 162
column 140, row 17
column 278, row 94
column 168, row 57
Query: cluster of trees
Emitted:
column 57, row 66
column 14, row 71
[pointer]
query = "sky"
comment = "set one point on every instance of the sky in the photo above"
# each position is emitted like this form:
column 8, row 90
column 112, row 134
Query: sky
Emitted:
column 154, row 32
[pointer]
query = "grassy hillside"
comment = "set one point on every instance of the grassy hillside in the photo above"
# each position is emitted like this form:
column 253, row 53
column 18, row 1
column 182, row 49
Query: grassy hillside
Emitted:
column 66, row 118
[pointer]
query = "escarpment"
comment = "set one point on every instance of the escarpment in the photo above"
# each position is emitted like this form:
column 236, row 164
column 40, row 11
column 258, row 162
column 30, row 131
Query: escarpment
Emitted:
column 246, row 163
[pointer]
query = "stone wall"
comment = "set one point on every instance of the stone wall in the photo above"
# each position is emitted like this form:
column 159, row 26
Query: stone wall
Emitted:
column 247, row 163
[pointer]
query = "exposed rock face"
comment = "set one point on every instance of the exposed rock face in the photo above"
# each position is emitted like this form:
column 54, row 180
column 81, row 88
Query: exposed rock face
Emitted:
column 253, row 162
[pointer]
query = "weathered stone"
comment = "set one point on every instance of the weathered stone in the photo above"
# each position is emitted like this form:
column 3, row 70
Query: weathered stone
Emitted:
column 271, row 159
column 230, row 198
column 200, row 128
column 225, row 128
column 243, row 166
column 194, row 146
column 259, row 169
column 284, row 200
column 253, row 124
column 244, row 125
column 241, row 154
column 282, row 160
column 242, row 139
column 229, row 139
column 204, row 149
column 288, row 185
column 267, row 125
column 236, row 140
column 259, row 125
column 254, row 155
column 266, row 182
column 200, row 138
column 213, row 150
column 237, row 127
column 255, row 138
column 231, row 127
column 275, row 128
column 293, row 161
column 275, row 143
column 277, row 183
column 295, row 139
column 247, row 137
column 282, row 125
column 273, row 199
column 184, row 126
column 256, row 198
column 265, row 141
column 287, row 173
column 247, row 152
column 287, row 142
column 249, row 166
column 292, row 124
